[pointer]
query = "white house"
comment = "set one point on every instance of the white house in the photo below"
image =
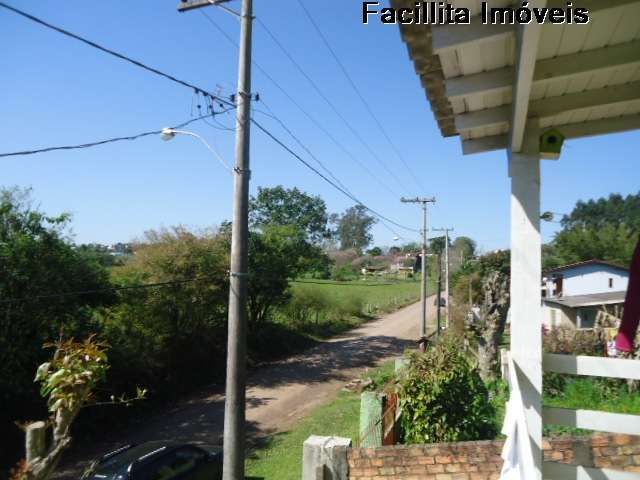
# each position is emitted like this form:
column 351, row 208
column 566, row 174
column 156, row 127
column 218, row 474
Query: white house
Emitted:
column 573, row 295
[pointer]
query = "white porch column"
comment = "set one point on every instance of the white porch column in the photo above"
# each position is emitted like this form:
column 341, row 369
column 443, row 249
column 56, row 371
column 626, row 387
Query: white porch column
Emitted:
column 526, row 271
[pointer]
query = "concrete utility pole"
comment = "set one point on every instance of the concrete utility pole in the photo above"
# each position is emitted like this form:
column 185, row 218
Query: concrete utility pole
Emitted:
column 446, row 267
column 423, row 292
column 235, row 394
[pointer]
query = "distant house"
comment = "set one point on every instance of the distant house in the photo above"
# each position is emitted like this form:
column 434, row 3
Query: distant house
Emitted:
column 574, row 295
column 373, row 270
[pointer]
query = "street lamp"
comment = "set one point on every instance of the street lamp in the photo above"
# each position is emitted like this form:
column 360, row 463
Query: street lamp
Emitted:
column 170, row 133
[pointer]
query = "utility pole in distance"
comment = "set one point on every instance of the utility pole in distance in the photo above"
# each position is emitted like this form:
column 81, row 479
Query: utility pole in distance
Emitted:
column 446, row 267
column 235, row 388
column 423, row 291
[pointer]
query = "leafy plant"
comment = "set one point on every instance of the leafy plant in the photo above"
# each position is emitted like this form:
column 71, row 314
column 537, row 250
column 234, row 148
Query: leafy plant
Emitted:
column 443, row 397
column 68, row 381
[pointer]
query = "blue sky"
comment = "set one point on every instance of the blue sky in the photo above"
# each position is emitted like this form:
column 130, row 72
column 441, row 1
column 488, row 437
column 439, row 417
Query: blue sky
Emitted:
column 57, row 91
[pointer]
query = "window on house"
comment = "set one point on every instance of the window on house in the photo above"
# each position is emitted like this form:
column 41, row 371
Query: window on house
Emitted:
column 610, row 282
column 586, row 317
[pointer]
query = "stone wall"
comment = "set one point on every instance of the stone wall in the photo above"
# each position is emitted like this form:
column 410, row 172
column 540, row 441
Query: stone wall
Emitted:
column 481, row 460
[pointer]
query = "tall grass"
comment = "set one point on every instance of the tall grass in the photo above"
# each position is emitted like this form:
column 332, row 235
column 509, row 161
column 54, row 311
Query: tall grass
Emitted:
column 324, row 308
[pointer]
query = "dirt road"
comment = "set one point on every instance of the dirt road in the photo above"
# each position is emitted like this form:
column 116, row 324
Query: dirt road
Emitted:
column 278, row 394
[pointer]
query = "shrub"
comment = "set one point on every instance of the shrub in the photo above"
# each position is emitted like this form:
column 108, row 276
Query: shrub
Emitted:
column 568, row 341
column 349, row 306
column 306, row 305
column 574, row 342
column 343, row 273
column 443, row 397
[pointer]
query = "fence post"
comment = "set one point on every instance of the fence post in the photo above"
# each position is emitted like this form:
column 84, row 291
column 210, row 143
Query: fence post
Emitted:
column 36, row 440
column 325, row 458
column 371, row 410
column 504, row 364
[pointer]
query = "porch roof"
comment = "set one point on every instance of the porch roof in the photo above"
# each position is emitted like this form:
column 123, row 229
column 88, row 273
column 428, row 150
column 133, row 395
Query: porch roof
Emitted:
column 484, row 81
column 575, row 301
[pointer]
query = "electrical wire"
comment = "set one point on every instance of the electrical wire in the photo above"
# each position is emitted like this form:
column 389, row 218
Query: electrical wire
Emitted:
column 330, row 103
column 112, row 289
column 272, row 115
column 330, row 182
column 101, row 142
column 360, row 96
column 311, row 118
column 114, row 53
column 203, row 91
column 344, row 190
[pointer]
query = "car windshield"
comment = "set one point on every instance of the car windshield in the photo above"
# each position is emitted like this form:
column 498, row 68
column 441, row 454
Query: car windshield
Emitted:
column 115, row 467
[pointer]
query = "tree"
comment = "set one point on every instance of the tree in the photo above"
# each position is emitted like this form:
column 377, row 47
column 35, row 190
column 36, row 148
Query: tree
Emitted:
column 485, row 281
column 604, row 229
column 612, row 210
column 489, row 329
column 466, row 246
column 162, row 336
column 354, row 228
column 375, row 252
column 277, row 256
column 281, row 207
column 437, row 244
column 38, row 268
column 411, row 247
column 609, row 242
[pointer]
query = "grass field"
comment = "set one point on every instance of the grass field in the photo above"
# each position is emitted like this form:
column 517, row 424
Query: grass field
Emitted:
column 379, row 295
column 322, row 308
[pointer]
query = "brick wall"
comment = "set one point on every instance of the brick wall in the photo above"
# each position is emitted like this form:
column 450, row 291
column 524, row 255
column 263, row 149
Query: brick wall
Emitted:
column 481, row 460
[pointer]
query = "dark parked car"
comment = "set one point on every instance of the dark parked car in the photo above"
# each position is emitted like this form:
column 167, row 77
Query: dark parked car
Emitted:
column 159, row 461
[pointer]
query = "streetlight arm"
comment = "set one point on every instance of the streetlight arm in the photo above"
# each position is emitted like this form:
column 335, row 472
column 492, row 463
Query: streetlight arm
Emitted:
column 205, row 143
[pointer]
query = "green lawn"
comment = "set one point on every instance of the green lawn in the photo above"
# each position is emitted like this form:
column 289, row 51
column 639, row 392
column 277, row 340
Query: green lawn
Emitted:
column 281, row 457
column 320, row 309
column 381, row 295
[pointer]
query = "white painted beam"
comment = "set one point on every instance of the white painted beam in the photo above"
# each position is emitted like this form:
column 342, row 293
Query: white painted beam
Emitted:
column 592, row 420
column 484, row 144
column 526, row 271
column 592, row 366
column 571, row 131
column 562, row 471
column 549, row 107
column 528, row 39
column 546, row 71
column 451, row 36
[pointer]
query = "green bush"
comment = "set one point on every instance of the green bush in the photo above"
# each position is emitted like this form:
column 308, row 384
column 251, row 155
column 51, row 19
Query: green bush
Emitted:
column 307, row 305
column 443, row 397
column 348, row 306
column 567, row 341
column 344, row 273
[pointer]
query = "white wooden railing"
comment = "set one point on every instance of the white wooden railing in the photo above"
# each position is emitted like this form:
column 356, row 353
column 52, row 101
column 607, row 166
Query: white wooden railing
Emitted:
column 589, row 419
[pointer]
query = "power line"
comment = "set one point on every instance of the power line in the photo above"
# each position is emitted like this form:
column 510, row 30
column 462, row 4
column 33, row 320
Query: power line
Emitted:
column 311, row 118
column 114, row 53
column 360, row 96
column 329, row 102
column 344, row 189
column 330, row 182
column 297, row 140
column 112, row 289
column 101, row 142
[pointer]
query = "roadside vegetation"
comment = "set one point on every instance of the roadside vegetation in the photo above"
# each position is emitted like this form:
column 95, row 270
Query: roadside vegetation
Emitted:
column 160, row 303
column 281, row 457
